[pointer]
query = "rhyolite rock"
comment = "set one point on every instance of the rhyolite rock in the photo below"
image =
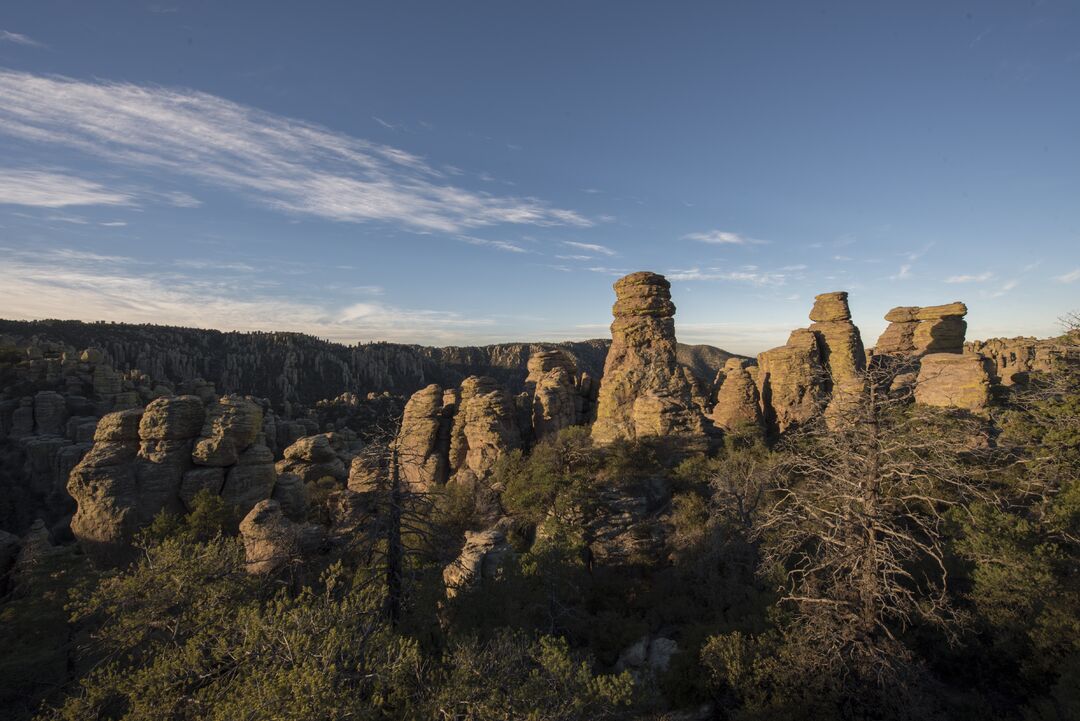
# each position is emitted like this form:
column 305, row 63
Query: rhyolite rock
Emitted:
column 738, row 404
column 231, row 425
column 483, row 557
column 1013, row 360
column 271, row 540
column 916, row 331
column 557, row 401
column 791, row 381
column 644, row 392
column 313, row 458
column 485, row 427
column 842, row 353
column 954, row 380
column 423, row 440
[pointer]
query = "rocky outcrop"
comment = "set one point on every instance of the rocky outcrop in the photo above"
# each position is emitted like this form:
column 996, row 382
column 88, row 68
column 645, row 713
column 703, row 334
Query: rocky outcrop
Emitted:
column 423, row 441
column 650, row 655
column 315, row 457
column 791, row 381
column 272, row 541
column 104, row 486
column 485, row 427
column 484, row 557
column 147, row 461
column 954, row 380
column 558, row 398
column 841, row 350
column 738, row 404
column 916, row 331
column 232, row 424
column 1012, row 360
column 644, row 391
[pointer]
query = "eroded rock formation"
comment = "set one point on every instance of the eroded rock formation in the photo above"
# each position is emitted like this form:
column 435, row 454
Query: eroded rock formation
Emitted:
column 791, row 382
column 954, row 380
column 738, row 404
column 485, row 426
column 644, row 391
column 483, row 557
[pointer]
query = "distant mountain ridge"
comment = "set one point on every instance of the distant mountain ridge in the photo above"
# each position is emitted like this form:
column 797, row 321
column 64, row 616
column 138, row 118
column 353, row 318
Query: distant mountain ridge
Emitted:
column 298, row 368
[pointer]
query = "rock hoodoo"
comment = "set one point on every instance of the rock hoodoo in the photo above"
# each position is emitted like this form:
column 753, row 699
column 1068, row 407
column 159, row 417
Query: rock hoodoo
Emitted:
column 423, row 441
column 644, row 391
column 738, row 404
column 915, row 331
column 791, row 382
column 484, row 428
column 841, row 349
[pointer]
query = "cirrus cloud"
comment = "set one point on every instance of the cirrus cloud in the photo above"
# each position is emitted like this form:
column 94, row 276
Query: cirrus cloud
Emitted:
column 284, row 163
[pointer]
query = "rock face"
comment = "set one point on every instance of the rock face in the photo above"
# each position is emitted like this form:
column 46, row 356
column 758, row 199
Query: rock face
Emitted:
column 954, row 380
column 738, row 404
column 915, row 331
column 644, row 391
column 423, row 441
column 791, row 382
column 485, row 427
column 483, row 557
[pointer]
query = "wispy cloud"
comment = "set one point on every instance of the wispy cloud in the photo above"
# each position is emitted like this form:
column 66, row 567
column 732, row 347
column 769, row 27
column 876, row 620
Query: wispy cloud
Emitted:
column 6, row 36
column 67, row 283
column 980, row 278
column 722, row 237
column 496, row 244
column 1006, row 287
column 591, row 247
column 753, row 276
column 903, row 273
column 284, row 163
column 55, row 190
column 1070, row 277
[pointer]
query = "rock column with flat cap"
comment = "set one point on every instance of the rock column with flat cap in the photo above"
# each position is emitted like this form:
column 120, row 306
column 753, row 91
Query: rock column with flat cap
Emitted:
column 842, row 351
column 644, row 392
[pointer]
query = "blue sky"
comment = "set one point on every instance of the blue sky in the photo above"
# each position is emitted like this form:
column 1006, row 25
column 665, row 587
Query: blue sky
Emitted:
column 452, row 173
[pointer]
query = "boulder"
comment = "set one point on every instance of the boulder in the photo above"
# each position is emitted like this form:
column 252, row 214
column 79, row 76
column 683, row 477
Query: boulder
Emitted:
column 830, row 307
column 484, row 556
column 271, row 540
column 300, row 459
column 954, row 380
column 172, row 418
column 231, row 425
column 644, row 392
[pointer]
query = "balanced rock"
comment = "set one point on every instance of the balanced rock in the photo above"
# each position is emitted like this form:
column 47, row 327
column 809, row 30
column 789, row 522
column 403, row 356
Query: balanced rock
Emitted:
column 830, row 307
column 738, row 404
column 313, row 458
column 954, row 380
column 644, row 391
column 915, row 330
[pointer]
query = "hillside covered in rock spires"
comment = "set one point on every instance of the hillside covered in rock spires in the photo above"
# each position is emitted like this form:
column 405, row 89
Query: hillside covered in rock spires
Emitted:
column 539, row 361
column 650, row 466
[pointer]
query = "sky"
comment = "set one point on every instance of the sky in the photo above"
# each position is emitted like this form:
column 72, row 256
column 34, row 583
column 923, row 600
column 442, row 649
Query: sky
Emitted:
column 477, row 172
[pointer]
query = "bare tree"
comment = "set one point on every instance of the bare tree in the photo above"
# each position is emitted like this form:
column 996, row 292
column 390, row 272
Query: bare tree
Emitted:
column 855, row 526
